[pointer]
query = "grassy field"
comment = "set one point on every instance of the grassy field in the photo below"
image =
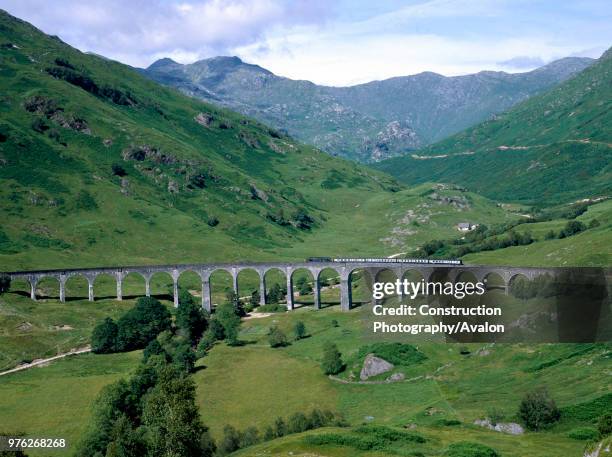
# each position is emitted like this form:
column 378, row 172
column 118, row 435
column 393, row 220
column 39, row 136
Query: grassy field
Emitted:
column 55, row 401
column 253, row 384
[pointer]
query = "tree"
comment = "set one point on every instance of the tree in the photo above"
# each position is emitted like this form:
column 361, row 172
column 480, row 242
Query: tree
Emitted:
column 275, row 294
column 226, row 315
column 216, row 328
column 332, row 359
column 280, row 428
column 255, row 298
column 183, row 356
column 142, row 323
column 206, row 343
column 190, row 318
column 233, row 298
column 276, row 337
column 550, row 235
column 573, row 227
column 538, row 410
column 230, row 441
column 303, row 286
column 269, row 433
column 104, row 337
column 125, row 440
column 299, row 330
column 5, row 283
column 249, row 437
column 172, row 417
column 109, row 405
column 604, row 424
column 153, row 348
column 298, row 423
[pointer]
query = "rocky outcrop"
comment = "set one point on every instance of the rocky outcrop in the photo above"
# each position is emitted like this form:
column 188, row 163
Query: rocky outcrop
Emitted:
column 146, row 152
column 512, row 428
column 204, row 119
column 373, row 366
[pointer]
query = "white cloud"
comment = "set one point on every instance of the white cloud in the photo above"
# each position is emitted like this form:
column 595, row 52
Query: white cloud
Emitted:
column 338, row 43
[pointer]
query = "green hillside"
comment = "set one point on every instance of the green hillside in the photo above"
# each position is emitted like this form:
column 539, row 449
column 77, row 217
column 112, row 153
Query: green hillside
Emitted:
column 553, row 147
column 103, row 166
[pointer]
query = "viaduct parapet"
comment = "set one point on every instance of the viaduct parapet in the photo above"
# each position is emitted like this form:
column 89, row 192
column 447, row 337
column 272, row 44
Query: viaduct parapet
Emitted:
column 344, row 270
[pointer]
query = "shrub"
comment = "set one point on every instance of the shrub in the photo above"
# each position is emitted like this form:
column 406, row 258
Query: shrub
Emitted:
column 38, row 125
column 538, row 410
column 85, row 201
column 584, row 434
column 276, row 337
column 395, row 353
column 550, row 235
column 332, row 360
column 604, row 424
column 104, row 337
column 334, row 323
column 495, row 415
column 299, row 330
column 594, row 223
column 5, row 283
column 572, row 228
column 468, row 449
column 212, row 221
column 118, row 170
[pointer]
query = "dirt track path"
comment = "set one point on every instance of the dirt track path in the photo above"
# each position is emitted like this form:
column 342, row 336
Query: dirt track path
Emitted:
column 38, row 362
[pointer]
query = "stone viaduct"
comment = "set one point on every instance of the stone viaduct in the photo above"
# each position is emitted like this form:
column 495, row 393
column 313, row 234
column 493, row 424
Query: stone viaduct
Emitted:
column 343, row 267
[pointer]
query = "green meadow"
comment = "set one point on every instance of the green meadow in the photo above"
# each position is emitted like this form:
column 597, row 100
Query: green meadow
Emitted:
column 252, row 384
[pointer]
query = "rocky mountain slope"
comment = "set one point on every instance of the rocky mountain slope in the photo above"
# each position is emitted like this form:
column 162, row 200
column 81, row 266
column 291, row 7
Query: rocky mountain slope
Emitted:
column 553, row 147
column 367, row 122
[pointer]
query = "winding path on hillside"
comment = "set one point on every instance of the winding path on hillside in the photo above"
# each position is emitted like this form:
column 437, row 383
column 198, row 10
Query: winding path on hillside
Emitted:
column 39, row 362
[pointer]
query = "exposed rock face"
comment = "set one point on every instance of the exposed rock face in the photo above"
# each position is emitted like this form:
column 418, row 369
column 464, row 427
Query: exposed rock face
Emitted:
column 367, row 122
column 373, row 366
column 396, row 377
column 204, row 119
column 511, row 428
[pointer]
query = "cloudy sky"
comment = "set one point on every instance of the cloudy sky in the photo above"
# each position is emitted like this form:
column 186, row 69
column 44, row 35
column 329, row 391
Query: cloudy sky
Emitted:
column 330, row 42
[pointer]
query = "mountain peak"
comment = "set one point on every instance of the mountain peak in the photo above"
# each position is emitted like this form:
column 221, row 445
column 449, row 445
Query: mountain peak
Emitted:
column 162, row 63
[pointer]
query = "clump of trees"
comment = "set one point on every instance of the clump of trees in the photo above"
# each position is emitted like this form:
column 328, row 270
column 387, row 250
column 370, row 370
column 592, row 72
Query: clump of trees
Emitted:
column 153, row 413
column 134, row 330
column 538, row 410
column 332, row 359
column 298, row 422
